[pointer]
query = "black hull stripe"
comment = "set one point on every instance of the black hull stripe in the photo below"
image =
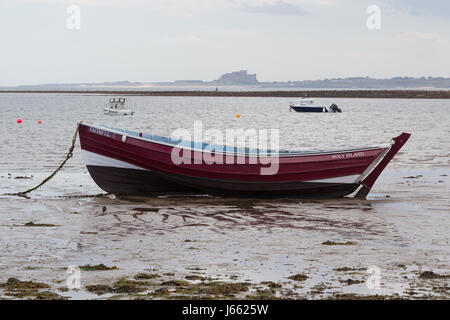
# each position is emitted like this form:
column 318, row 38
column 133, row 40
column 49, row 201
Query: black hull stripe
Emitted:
column 146, row 183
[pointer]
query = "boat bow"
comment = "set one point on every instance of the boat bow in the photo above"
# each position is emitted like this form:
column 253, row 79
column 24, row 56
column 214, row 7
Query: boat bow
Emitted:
column 368, row 180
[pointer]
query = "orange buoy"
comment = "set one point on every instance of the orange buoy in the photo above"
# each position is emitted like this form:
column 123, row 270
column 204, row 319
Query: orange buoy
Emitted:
column 238, row 115
column 19, row 120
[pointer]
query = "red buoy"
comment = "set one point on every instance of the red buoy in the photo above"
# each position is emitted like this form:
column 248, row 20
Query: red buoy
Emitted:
column 40, row 122
column 19, row 120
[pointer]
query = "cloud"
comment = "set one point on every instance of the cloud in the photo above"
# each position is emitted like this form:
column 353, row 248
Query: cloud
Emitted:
column 210, row 37
column 183, row 40
column 194, row 7
column 278, row 7
column 418, row 37
column 436, row 8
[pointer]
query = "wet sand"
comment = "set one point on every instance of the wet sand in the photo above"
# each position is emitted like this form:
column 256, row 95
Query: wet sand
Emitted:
column 192, row 245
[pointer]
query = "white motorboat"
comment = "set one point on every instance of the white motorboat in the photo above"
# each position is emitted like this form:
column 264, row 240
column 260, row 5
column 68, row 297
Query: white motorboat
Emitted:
column 307, row 105
column 118, row 106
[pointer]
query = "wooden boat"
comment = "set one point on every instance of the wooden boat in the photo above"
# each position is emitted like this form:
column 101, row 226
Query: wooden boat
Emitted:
column 130, row 163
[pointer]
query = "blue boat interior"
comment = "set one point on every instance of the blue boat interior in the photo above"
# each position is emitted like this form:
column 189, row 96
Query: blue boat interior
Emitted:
column 226, row 149
column 203, row 146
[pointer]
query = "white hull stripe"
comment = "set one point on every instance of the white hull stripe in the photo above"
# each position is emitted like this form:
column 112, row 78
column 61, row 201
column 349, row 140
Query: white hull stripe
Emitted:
column 345, row 179
column 95, row 159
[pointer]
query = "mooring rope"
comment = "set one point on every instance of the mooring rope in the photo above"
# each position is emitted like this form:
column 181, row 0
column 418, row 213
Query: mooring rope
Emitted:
column 69, row 155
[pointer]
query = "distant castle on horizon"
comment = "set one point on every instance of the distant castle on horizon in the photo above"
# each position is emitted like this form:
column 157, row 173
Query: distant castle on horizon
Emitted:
column 241, row 77
column 237, row 77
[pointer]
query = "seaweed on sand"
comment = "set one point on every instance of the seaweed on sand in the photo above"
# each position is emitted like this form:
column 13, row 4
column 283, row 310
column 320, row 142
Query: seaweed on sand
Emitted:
column 267, row 294
column 298, row 277
column 121, row 286
column 432, row 275
column 15, row 287
column 161, row 292
column 128, row 286
column 99, row 289
column 145, row 276
column 98, row 267
column 354, row 296
column 48, row 295
column 222, row 289
column 272, row 284
column 175, row 283
column 345, row 269
column 195, row 277
column 32, row 224
column 333, row 243
column 350, row 282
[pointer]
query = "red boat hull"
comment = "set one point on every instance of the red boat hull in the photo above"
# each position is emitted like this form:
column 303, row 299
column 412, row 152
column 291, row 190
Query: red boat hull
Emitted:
column 128, row 164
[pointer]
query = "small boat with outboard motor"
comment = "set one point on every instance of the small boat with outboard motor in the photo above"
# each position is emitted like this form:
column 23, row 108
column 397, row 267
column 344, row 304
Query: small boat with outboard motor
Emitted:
column 307, row 105
column 118, row 106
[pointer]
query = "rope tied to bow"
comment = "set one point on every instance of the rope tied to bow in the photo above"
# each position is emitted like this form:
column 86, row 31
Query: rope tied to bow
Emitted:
column 68, row 156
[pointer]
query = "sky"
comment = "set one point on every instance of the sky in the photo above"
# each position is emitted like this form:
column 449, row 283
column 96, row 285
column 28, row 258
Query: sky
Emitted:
column 167, row 40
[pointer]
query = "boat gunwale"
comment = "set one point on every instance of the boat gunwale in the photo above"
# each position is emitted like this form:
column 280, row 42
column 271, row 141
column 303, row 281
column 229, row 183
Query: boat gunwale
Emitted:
column 280, row 153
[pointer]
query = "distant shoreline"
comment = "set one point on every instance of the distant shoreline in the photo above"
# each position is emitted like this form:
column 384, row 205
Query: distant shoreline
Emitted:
column 376, row 94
